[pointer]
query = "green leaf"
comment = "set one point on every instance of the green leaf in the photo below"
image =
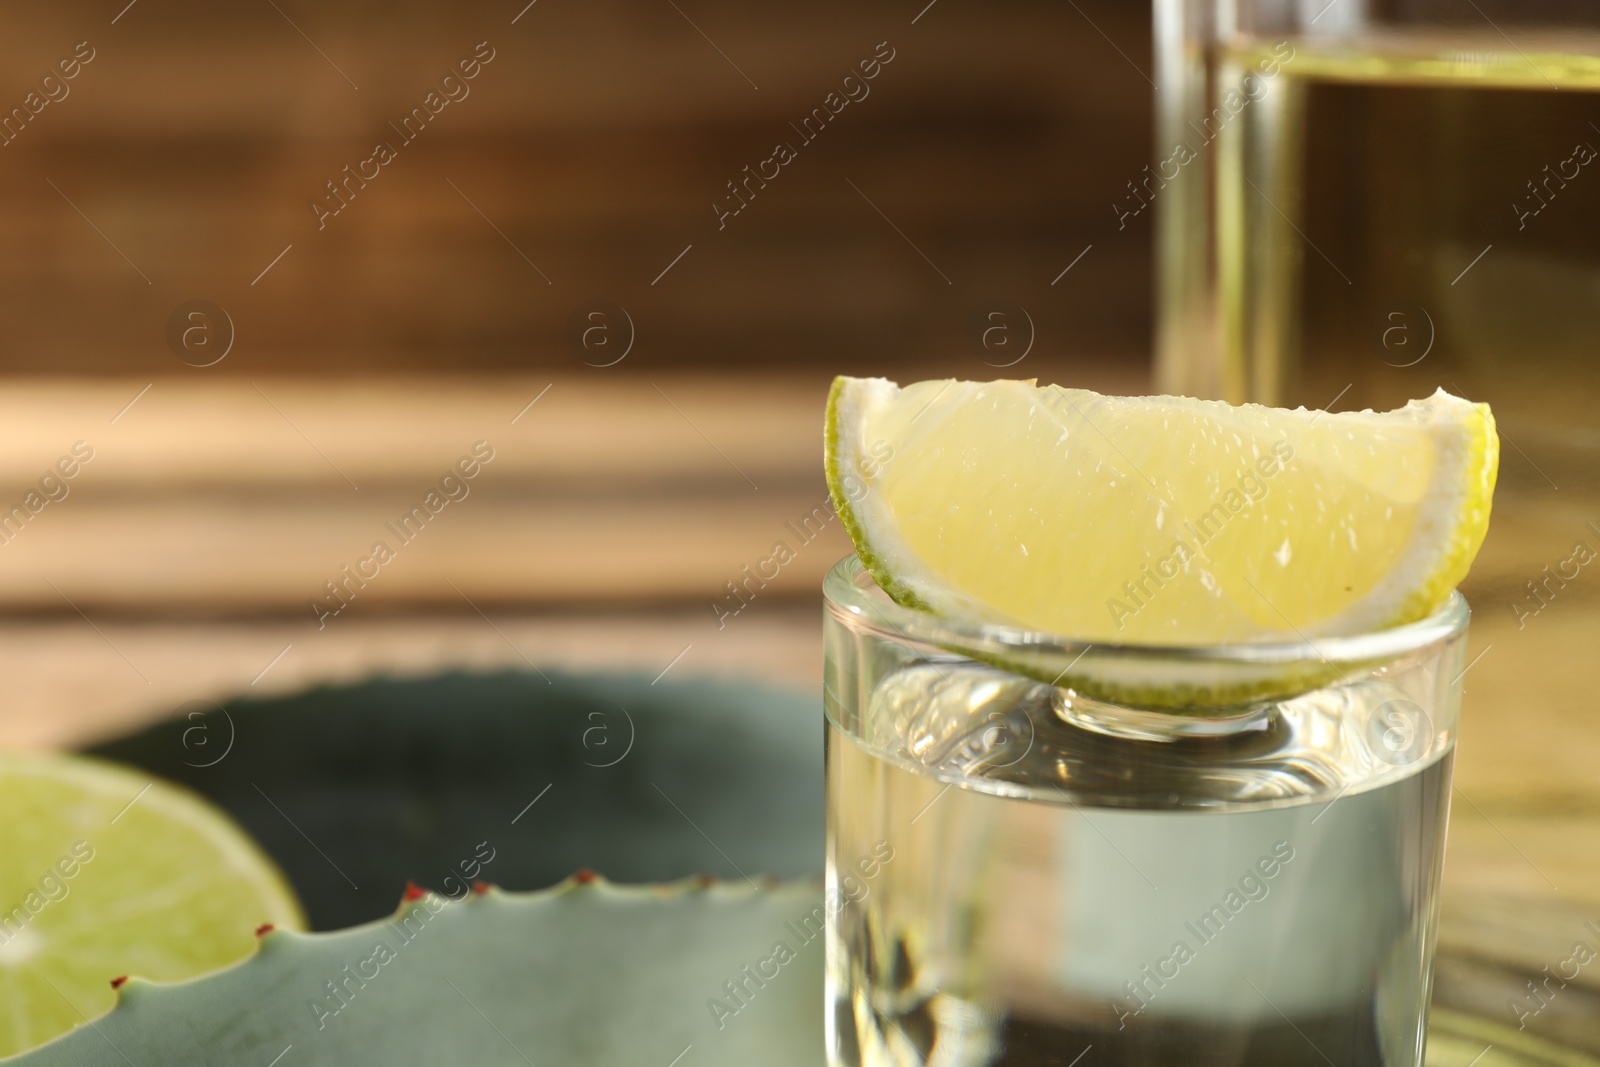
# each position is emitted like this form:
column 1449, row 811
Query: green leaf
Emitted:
column 578, row 975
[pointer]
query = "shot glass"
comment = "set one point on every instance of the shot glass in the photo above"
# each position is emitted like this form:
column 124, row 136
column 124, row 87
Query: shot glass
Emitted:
column 1022, row 874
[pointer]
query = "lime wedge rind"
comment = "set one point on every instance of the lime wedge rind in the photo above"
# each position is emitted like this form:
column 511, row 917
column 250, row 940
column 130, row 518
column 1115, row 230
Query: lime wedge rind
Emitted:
column 1471, row 447
column 841, row 462
column 1198, row 682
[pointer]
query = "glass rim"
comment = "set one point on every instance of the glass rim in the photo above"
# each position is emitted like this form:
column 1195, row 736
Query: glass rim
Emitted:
column 844, row 592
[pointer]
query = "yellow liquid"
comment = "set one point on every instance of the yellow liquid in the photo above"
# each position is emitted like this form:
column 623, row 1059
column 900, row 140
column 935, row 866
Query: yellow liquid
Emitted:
column 1371, row 207
column 1402, row 216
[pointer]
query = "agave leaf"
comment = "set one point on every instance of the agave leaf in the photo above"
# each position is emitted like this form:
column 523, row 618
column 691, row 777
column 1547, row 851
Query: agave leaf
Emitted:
column 402, row 778
column 579, row 975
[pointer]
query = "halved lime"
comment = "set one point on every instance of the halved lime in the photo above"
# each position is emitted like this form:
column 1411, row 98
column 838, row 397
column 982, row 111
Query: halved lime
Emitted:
column 1158, row 520
column 106, row 872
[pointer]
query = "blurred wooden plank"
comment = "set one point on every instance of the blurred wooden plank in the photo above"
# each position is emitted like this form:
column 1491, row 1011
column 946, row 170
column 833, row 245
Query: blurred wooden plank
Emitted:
column 597, row 142
column 277, row 554
column 69, row 683
column 226, row 496
column 410, row 272
column 599, row 431
column 192, row 67
column 228, row 432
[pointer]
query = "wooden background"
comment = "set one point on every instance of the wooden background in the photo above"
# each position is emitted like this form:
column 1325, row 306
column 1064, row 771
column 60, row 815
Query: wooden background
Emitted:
column 596, row 142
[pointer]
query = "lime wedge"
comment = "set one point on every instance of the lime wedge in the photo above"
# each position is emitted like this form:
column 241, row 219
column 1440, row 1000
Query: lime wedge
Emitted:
column 1158, row 520
column 105, row 872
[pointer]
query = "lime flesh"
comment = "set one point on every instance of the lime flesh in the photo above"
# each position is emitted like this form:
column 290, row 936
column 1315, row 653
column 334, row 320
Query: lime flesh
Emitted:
column 105, row 872
column 1158, row 520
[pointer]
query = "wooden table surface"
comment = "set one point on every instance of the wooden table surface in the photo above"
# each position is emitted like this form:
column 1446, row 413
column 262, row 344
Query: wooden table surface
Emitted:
column 182, row 565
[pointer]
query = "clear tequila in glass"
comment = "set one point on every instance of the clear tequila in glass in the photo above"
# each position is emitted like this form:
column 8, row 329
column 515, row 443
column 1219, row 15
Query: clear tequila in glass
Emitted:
column 1025, row 876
